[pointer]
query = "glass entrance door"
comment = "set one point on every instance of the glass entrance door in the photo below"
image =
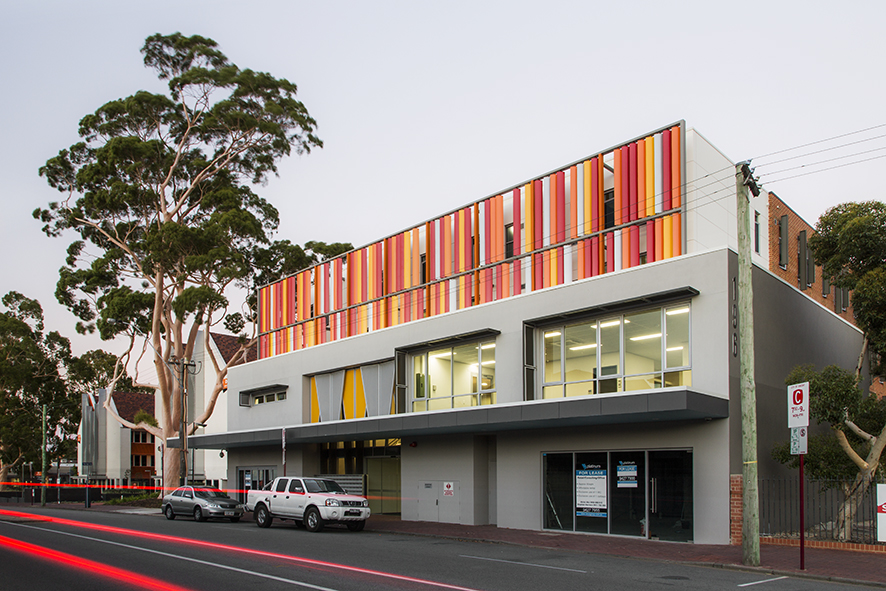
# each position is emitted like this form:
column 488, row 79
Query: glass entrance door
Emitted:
column 627, row 493
column 670, row 495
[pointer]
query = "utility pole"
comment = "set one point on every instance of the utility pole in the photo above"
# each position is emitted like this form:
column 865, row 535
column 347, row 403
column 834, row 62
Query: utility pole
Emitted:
column 183, row 384
column 750, row 515
column 43, row 488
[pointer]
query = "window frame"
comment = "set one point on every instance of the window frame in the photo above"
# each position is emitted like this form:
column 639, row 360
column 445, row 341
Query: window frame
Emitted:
column 621, row 374
column 480, row 397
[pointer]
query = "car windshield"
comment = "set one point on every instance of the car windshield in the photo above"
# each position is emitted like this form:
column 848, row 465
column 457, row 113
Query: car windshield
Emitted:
column 316, row 486
column 210, row 493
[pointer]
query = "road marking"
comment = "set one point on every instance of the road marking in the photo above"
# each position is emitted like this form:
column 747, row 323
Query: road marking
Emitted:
column 759, row 582
column 573, row 570
column 185, row 558
column 239, row 550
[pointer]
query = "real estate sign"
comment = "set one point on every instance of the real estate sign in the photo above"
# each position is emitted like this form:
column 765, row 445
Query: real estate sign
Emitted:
column 590, row 492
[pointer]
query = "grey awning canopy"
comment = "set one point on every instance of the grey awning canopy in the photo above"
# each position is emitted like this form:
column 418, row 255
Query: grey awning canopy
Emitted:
column 659, row 406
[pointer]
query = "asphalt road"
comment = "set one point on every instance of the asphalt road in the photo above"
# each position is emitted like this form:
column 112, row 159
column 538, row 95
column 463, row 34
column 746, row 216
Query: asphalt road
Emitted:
column 72, row 550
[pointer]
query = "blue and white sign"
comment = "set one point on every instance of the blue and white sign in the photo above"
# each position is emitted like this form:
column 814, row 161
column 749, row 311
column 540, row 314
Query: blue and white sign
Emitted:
column 627, row 474
column 590, row 492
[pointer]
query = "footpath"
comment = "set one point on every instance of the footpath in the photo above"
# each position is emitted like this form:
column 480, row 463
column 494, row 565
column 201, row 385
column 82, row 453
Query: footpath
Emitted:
column 831, row 564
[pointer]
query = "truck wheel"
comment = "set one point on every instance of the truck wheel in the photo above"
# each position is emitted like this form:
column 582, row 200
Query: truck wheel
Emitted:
column 313, row 521
column 263, row 516
column 170, row 514
column 356, row 525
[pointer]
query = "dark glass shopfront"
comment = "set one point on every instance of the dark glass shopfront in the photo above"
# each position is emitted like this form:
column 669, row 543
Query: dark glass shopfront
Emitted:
column 629, row 493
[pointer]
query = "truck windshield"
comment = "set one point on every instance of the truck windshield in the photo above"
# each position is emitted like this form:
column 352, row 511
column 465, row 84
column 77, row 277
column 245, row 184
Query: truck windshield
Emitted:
column 315, row 486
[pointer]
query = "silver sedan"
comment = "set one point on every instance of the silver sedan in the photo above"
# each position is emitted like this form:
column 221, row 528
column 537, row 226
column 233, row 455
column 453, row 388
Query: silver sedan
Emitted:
column 201, row 503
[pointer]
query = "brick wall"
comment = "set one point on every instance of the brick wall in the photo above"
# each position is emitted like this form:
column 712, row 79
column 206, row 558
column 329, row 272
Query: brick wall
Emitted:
column 735, row 508
column 791, row 272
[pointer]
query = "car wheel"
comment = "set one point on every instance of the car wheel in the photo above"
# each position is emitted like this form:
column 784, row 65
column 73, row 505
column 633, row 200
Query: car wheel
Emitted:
column 313, row 521
column 263, row 517
column 170, row 514
column 198, row 514
column 356, row 525
column 235, row 519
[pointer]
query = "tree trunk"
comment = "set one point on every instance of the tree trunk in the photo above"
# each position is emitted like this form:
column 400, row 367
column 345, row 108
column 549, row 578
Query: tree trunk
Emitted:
column 854, row 496
column 171, row 469
column 4, row 475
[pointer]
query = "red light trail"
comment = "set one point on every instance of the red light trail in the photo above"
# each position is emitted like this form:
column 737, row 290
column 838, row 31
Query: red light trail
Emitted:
column 236, row 549
column 90, row 566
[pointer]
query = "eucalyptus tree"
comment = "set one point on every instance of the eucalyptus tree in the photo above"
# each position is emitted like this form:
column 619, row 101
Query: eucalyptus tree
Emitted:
column 159, row 194
column 32, row 366
column 850, row 245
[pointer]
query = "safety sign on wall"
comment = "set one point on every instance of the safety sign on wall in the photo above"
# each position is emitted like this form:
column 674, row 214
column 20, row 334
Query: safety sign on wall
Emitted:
column 448, row 489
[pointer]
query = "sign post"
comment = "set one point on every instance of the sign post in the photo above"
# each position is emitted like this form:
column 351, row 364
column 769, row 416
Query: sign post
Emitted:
column 798, row 421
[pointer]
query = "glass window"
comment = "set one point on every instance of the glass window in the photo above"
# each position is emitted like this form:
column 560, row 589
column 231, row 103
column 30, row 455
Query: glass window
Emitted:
column 455, row 377
column 553, row 345
column 610, row 347
column 677, row 339
column 642, row 343
column 618, row 353
column 465, row 369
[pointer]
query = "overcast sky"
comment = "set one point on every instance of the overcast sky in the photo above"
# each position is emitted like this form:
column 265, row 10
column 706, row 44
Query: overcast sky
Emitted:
column 426, row 106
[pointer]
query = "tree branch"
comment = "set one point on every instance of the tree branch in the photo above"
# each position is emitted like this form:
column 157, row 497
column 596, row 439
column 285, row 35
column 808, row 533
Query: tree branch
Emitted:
column 853, row 455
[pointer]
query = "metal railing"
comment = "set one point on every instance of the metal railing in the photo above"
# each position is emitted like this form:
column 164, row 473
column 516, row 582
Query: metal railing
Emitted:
column 780, row 510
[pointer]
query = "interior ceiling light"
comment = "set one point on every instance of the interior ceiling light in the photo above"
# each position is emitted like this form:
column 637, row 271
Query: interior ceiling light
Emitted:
column 677, row 311
column 669, row 349
column 447, row 354
column 581, row 347
column 488, row 346
column 550, row 335
column 646, row 337
column 613, row 323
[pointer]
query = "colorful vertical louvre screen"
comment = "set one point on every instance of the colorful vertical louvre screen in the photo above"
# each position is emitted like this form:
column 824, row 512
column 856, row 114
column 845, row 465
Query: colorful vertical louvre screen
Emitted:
column 613, row 211
column 366, row 391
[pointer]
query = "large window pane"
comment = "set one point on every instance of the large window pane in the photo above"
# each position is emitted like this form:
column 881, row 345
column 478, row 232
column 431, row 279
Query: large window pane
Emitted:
column 642, row 342
column 646, row 382
column 553, row 350
column 558, row 500
column 591, row 494
column 610, row 347
column 677, row 343
column 580, row 350
column 419, row 369
column 487, row 366
column 440, row 373
column 465, row 360
column 580, row 388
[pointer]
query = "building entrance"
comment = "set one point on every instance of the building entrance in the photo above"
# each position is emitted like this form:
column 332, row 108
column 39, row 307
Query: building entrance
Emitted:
column 629, row 493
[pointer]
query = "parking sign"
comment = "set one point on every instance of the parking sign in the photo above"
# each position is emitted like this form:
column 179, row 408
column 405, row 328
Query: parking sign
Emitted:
column 798, row 405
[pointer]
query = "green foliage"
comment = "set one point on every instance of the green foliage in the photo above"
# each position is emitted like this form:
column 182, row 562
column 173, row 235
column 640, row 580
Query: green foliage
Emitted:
column 143, row 416
column 833, row 393
column 825, row 459
column 31, row 376
column 850, row 245
column 834, row 398
column 158, row 190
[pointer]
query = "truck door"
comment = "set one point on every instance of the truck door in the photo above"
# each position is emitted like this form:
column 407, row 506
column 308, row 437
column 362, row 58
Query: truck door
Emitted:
column 278, row 497
column 297, row 496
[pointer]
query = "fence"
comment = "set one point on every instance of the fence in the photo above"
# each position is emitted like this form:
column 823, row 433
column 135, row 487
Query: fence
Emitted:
column 780, row 510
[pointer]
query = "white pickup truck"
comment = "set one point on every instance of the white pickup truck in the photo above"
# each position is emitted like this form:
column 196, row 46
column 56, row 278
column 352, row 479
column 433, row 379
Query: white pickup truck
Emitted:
column 313, row 502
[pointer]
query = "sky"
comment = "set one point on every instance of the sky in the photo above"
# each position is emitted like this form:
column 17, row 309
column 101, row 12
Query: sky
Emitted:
column 427, row 106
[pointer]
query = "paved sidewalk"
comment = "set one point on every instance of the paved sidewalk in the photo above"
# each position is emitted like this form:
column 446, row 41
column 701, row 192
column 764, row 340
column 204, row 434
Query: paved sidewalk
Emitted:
column 867, row 568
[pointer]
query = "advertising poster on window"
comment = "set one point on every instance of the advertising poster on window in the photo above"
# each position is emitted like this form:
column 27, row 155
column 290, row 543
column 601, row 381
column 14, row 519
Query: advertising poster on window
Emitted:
column 626, row 471
column 590, row 491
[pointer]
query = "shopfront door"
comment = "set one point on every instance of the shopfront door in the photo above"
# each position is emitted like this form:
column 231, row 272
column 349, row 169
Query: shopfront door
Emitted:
column 627, row 493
